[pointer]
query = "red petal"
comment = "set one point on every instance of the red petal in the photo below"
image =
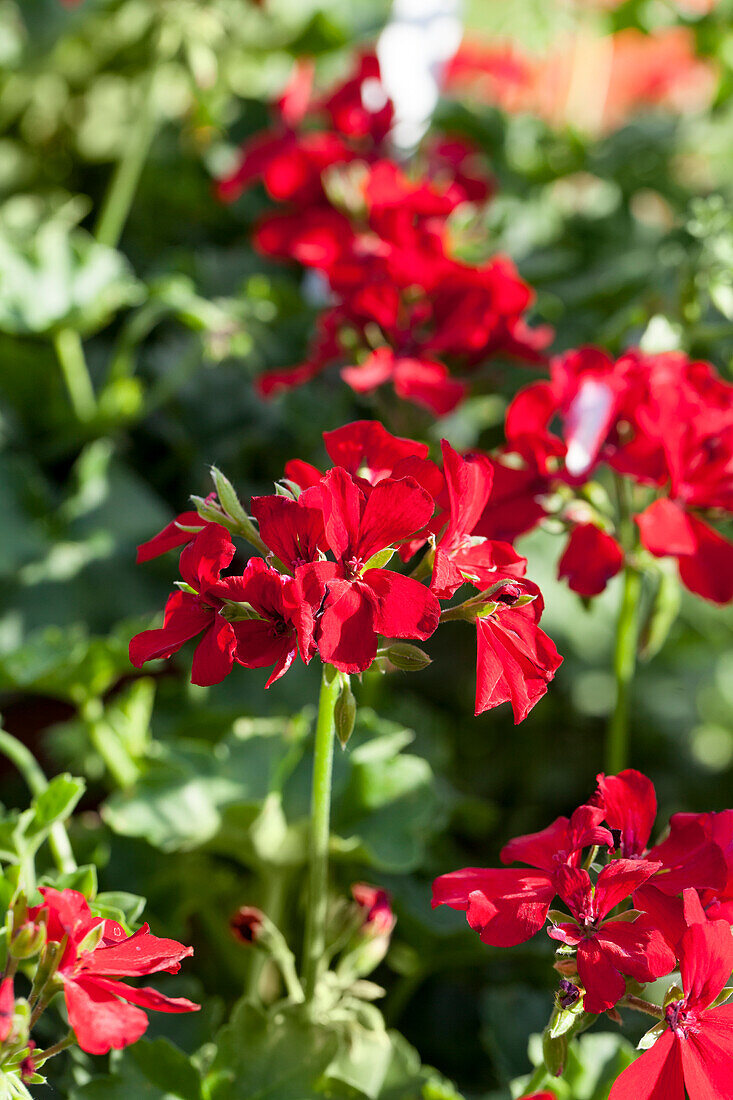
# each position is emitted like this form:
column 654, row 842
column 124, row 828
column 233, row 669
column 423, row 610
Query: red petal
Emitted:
column 99, row 1020
column 170, row 537
column 214, row 655
column 395, row 510
column 204, row 558
column 630, row 805
column 343, row 502
column 346, row 634
column 590, row 559
column 141, row 953
column 706, row 961
column 147, row 997
column 184, row 619
column 505, row 906
column 656, row 1075
column 515, row 662
column 705, row 557
column 291, row 530
column 618, row 880
column 604, row 986
column 404, row 607
column 365, row 448
column 7, row 1008
column 707, row 1057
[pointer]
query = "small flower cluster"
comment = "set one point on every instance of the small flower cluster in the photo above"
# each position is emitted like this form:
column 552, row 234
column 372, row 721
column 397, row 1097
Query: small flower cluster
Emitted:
column 634, row 914
column 322, row 587
column 664, row 422
column 82, row 956
column 400, row 308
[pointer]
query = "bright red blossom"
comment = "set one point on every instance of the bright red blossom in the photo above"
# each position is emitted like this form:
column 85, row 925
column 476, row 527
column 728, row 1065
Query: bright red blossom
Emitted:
column 351, row 601
column 608, row 950
column 693, row 1055
column 102, row 1009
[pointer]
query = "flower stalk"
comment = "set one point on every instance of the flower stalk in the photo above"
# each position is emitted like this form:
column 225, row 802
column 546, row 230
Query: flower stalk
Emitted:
column 315, row 931
column 624, row 668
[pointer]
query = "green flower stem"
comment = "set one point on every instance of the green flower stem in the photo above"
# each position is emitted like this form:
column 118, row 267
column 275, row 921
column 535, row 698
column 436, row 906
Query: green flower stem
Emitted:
column 73, row 364
column 44, row 1055
column 624, row 667
column 32, row 773
column 537, row 1080
column 315, row 929
column 124, row 183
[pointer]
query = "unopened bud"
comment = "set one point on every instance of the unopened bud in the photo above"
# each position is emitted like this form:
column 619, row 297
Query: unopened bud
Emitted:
column 344, row 713
column 247, row 923
column 376, row 905
column 554, row 1053
column 228, row 498
column 92, row 940
column 407, row 657
column 28, row 940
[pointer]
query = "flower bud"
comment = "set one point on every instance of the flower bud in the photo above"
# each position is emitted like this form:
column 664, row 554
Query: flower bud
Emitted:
column 407, row 657
column 554, row 1053
column 376, row 905
column 28, row 940
column 567, row 994
column 344, row 713
column 247, row 923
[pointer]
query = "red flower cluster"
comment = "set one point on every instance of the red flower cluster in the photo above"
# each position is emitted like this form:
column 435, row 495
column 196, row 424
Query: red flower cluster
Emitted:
column 664, row 422
column 628, row 904
column 97, row 953
column 324, row 588
column 402, row 310
column 587, row 80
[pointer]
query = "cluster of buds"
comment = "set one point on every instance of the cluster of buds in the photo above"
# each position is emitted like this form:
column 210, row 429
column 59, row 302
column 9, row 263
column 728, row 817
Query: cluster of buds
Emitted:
column 634, row 914
column 358, row 938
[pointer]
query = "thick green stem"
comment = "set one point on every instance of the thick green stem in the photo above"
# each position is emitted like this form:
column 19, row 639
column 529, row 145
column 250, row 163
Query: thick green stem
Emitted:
column 624, row 667
column 315, row 929
column 124, row 182
column 638, row 1003
column 32, row 773
column 73, row 364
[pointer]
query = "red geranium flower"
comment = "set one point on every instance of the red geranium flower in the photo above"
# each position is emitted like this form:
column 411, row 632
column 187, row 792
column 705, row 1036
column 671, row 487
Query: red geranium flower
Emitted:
column 271, row 639
column 101, row 1008
column 694, row 1053
column 351, row 602
column 609, row 949
column 508, row 906
column 515, row 659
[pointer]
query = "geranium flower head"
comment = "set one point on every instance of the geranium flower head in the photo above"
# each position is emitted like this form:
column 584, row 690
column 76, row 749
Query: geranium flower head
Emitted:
column 693, row 1054
column 608, row 949
column 354, row 599
column 104, row 1012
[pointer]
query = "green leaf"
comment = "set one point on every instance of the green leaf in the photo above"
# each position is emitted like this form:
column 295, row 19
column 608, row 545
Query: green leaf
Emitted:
column 53, row 274
column 56, row 803
column 118, row 905
column 169, row 1068
column 83, row 879
column 280, row 1057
